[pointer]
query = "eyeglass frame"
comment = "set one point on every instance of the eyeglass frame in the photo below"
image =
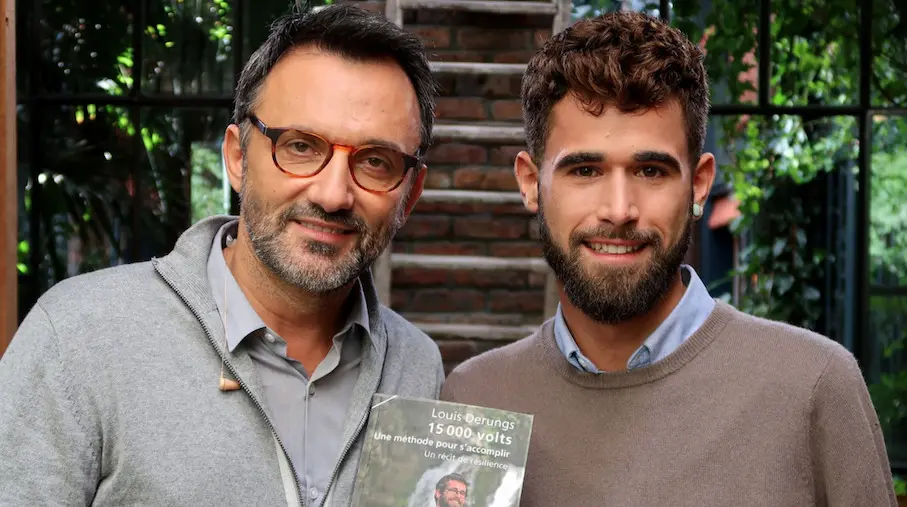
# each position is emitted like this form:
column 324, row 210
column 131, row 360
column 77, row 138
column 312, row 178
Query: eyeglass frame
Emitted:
column 274, row 133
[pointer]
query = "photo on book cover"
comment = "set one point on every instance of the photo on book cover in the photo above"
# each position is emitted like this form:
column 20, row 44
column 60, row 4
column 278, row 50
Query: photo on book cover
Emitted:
column 428, row 453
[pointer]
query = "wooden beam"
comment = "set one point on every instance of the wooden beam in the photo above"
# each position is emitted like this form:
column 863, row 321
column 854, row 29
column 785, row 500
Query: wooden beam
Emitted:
column 9, row 317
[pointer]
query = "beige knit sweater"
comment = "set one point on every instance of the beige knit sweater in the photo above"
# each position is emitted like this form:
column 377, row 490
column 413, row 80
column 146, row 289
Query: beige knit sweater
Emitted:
column 747, row 412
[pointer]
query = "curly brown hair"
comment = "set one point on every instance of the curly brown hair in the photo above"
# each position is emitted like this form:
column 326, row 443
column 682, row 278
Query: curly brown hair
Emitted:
column 625, row 59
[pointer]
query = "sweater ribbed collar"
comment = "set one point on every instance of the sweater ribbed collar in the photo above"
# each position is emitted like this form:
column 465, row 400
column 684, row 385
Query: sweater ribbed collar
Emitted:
column 705, row 335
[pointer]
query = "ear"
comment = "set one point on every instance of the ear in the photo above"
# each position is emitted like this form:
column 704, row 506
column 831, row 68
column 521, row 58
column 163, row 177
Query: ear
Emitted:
column 233, row 156
column 415, row 190
column 703, row 177
column 527, row 177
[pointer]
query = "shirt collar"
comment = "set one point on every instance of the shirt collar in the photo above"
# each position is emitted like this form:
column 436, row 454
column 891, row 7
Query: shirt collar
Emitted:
column 241, row 319
column 689, row 314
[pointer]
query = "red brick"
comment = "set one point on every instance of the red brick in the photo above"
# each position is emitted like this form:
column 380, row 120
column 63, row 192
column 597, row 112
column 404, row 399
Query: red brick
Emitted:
column 493, row 38
column 456, row 153
column 511, row 209
column 447, row 85
column 448, row 208
column 425, row 226
column 504, row 155
column 447, row 300
column 515, row 249
column 503, row 110
column 449, row 248
column 521, row 56
column 484, row 178
column 461, row 108
column 540, row 37
column 506, row 301
column 456, row 351
column 419, row 276
column 510, row 279
column 490, row 228
column 489, row 86
column 435, row 37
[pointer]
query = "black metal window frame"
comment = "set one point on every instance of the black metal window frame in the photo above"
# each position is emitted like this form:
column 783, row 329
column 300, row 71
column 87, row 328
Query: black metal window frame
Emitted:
column 863, row 111
column 38, row 102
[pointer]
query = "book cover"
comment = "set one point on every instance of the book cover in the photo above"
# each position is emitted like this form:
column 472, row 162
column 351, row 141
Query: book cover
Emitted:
column 429, row 453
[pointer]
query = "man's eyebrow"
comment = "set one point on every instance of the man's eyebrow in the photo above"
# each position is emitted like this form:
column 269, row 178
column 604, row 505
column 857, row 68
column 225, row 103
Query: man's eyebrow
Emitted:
column 580, row 157
column 387, row 144
column 658, row 156
column 374, row 141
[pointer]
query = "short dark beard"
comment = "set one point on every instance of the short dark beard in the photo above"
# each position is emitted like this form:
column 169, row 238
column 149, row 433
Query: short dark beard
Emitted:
column 266, row 227
column 619, row 294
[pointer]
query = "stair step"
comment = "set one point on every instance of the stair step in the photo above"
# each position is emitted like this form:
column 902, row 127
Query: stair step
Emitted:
column 438, row 330
column 493, row 7
column 482, row 68
column 468, row 262
column 433, row 195
column 501, row 132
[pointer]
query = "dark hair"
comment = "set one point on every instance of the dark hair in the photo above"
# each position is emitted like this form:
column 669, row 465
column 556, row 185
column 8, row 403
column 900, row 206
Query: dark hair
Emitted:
column 627, row 60
column 442, row 484
column 350, row 32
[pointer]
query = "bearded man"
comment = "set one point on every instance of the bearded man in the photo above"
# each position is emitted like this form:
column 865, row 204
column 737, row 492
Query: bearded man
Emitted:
column 646, row 390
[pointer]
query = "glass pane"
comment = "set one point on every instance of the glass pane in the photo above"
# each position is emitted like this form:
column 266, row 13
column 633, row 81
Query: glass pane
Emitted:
column 84, row 46
column 26, row 294
column 592, row 8
column 188, row 47
column 815, row 53
column 257, row 19
column 888, row 375
column 185, row 179
column 794, row 180
column 889, row 49
column 81, row 196
column 888, row 213
column 728, row 32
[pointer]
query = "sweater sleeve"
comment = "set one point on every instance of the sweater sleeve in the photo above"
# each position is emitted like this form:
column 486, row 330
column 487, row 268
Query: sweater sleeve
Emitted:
column 47, row 454
column 850, row 462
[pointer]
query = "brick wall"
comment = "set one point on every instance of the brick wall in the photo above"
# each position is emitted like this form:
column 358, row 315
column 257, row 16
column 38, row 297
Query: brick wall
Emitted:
column 508, row 298
column 498, row 298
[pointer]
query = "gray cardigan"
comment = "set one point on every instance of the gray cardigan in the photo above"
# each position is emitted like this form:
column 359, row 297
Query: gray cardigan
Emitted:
column 109, row 393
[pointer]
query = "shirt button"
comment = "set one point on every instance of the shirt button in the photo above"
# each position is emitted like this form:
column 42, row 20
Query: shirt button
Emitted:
column 311, row 390
column 313, row 493
column 269, row 337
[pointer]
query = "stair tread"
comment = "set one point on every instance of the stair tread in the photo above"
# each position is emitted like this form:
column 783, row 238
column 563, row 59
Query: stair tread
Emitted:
column 478, row 68
column 493, row 7
column 477, row 331
column 472, row 262
column 481, row 131
column 460, row 196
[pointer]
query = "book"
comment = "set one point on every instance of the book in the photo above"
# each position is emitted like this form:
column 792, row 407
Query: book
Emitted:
column 430, row 453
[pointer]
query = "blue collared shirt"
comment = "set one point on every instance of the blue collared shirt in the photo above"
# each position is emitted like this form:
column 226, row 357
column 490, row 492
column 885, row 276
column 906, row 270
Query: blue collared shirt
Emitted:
column 693, row 309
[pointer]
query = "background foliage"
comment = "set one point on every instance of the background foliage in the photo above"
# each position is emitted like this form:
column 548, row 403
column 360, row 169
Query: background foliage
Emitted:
column 796, row 176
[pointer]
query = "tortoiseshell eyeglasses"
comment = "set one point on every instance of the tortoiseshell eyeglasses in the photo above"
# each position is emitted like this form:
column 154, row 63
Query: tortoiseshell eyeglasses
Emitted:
column 375, row 168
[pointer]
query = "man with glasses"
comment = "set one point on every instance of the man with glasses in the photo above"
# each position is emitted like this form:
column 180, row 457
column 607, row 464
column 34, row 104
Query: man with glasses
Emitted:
column 239, row 369
column 451, row 491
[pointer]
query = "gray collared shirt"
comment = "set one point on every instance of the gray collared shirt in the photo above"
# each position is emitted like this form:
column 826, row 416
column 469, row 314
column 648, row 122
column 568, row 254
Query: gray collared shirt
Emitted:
column 693, row 309
column 307, row 410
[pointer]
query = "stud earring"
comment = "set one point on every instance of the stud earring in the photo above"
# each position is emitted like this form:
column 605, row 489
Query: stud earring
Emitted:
column 697, row 210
